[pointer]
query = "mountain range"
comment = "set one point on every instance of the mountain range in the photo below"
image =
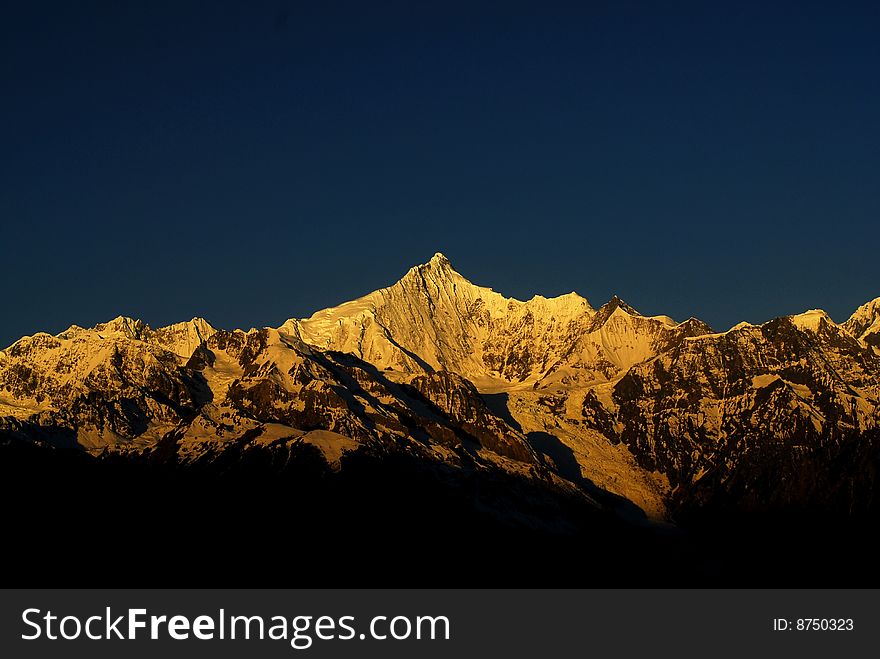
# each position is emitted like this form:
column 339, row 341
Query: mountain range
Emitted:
column 547, row 416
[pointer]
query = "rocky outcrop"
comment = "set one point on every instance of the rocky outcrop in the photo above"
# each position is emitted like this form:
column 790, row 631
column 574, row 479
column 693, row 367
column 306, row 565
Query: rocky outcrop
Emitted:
column 459, row 399
column 706, row 409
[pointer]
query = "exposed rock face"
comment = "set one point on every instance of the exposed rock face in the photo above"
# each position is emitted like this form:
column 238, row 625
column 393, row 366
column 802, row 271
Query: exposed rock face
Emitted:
column 460, row 400
column 669, row 415
column 797, row 383
column 103, row 385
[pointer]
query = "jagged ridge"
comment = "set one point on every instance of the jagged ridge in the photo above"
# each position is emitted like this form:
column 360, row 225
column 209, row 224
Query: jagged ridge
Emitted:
column 459, row 375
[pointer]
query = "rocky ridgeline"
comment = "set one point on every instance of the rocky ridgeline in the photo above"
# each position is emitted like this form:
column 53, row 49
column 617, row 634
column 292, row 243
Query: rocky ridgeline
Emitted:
column 671, row 415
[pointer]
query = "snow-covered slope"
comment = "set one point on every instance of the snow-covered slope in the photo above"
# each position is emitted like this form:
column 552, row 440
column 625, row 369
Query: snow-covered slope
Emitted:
column 864, row 324
column 435, row 319
column 617, row 338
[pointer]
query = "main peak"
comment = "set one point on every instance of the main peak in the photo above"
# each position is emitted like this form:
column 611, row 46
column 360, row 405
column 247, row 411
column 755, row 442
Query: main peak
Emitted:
column 437, row 266
column 439, row 259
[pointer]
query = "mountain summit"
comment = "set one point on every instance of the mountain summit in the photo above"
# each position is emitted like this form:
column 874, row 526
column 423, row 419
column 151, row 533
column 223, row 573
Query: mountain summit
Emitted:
column 435, row 319
column 864, row 324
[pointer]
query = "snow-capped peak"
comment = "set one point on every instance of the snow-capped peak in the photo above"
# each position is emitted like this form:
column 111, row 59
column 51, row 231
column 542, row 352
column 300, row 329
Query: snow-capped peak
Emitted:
column 439, row 259
column 182, row 338
column 614, row 306
column 132, row 328
column 433, row 318
column 438, row 262
column 436, row 269
column 865, row 319
column 811, row 319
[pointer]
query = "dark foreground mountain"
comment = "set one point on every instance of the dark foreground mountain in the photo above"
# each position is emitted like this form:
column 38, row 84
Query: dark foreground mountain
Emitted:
column 437, row 432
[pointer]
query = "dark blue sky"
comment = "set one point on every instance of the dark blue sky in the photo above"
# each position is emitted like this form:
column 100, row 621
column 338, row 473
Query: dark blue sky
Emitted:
column 249, row 162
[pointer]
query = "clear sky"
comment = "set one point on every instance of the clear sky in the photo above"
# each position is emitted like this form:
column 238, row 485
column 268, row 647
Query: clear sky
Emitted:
column 248, row 162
